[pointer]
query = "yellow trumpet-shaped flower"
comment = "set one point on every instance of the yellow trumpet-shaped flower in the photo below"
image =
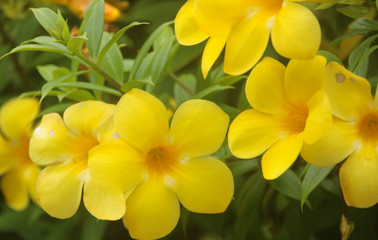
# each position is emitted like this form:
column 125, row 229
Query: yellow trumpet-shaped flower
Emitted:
column 62, row 146
column 244, row 27
column 19, row 172
column 290, row 107
column 354, row 136
column 158, row 166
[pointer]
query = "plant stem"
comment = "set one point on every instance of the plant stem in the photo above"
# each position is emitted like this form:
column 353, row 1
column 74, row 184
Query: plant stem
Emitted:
column 182, row 84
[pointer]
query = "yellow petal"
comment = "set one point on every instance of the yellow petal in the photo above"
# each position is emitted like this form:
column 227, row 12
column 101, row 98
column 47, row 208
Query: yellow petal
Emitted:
column 5, row 156
column 85, row 118
column 304, row 78
column 240, row 55
column 265, row 86
column 205, row 185
column 152, row 212
column 31, row 173
column 198, row 127
column 51, row 141
column 359, row 179
column 111, row 13
column 213, row 49
column 14, row 189
column 117, row 165
column 296, row 32
column 319, row 119
column 59, row 189
column 186, row 30
column 348, row 93
column 141, row 120
column 251, row 133
column 103, row 203
column 16, row 117
column 281, row 155
column 334, row 147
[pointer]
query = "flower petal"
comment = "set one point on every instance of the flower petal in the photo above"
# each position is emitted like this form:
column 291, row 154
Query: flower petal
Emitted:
column 281, row 155
column 213, row 49
column 240, row 56
column 199, row 127
column 304, row 78
column 31, row 173
column 141, row 120
column 348, row 93
column 153, row 211
column 5, row 155
column 51, row 141
column 204, row 185
column 85, row 118
column 102, row 202
column 59, row 189
column 296, row 32
column 186, row 30
column 16, row 117
column 359, row 179
column 14, row 189
column 117, row 165
column 265, row 86
column 334, row 147
column 252, row 133
column 319, row 119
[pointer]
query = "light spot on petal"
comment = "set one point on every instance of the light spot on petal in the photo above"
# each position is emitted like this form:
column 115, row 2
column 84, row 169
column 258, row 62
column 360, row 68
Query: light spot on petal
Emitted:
column 116, row 135
column 52, row 133
column 270, row 23
column 80, row 104
column 84, row 175
column 38, row 130
column 340, row 78
column 352, row 80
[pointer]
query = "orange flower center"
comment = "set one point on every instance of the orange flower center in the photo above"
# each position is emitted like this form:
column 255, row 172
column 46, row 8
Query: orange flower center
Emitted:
column 368, row 128
column 21, row 152
column 294, row 120
column 161, row 160
column 81, row 148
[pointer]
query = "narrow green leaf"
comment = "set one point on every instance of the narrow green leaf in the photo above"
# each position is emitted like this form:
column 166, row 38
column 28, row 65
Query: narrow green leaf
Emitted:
column 76, row 43
column 50, row 85
column 364, row 24
column 138, row 82
column 210, row 90
column 55, row 108
column 160, row 59
column 90, row 86
column 94, row 28
column 36, row 47
column 181, row 95
column 76, row 95
column 46, row 17
column 312, row 179
column 144, row 50
column 330, row 57
column 354, row 11
column 115, row 38
column 228, row 80
column 354, row 32
column 93, row 229
column 46, row 71
column 113, row 61
column 355, row 57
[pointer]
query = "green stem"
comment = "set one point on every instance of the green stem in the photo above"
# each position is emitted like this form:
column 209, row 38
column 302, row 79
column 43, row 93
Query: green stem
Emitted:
column 96, row 68
column 181, row 83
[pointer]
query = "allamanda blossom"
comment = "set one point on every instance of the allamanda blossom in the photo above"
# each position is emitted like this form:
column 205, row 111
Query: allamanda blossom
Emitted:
column 62, row 146
column 289, row 108
column 19, row 172
column 354, row 136
column 155, row 167
column 244, row 27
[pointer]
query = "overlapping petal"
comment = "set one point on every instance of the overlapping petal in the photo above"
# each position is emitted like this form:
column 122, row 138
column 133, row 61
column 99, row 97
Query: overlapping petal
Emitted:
column 252, row 133
column 281, row 155
column 153, row 210
column 141, row 120
column 213, row 49
column 359, row 179
column 204, row 185
column 334, row 147
column 198, row 127
column 59, row 189
column 296, row 32
column 348, row 93
column 5, row 156
column 15, row 190
column 265, row 86
column 16, row 117
column 303, row 78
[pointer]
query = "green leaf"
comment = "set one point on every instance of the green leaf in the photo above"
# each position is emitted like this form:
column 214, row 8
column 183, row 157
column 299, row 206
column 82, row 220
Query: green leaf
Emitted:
column 55, row 108
column 76, row 43
column 364, row 24
column 354, row 11
column 46, row 71
column 330, row 57
column 115, row 38
column 113, row 61
column 354, row 32
column 181, row 95
column 46, row 17
column 210, row 90
column 144, row 50
column 357, row 56
column 138, row 82
column 228, row 80
column 36, row 47
column 50, row 85
column 93, row 229
column 94, row 27
column 91, row 86
column 160, row 59
column 77, row 95
column 314, row 176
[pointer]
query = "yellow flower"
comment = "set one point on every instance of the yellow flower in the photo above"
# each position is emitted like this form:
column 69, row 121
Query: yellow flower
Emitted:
column 354, row 136
column 20, row 173
column 244, row 26
column 62, row 145
column 158, row 167
column 290, row 107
